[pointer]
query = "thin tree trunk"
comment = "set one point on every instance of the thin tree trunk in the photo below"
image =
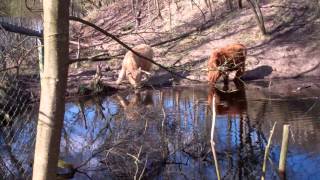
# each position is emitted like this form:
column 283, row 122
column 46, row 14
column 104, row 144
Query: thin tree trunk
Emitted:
column 258, row 14
column 208, row 3
column 203, row 15
column 170, row 15
column 133, row 7
column 53, row 84
column 158, row 9
column 149, row 12
column 261, row 19
column 137, row 14
column 240, row 4
column 229, row 5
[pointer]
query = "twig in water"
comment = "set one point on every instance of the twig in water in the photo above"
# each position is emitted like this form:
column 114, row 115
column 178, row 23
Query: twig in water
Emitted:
column 136, row 161
column 212, row 135
column 266, row 152
column 144, row 168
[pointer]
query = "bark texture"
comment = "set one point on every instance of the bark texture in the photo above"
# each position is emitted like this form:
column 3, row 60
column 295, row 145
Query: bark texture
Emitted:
column 53, row 85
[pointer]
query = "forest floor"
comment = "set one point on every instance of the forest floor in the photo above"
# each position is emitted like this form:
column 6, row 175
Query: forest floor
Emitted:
column 184, row 35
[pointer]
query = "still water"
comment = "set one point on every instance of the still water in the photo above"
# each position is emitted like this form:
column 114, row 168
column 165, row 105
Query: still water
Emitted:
column 165, row 134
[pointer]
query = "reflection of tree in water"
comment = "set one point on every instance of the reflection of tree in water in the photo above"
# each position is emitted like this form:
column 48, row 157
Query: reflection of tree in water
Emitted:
column 138, row 148
column 242, row 154
column 124, row 141
column 137, row 104
column 158, row 133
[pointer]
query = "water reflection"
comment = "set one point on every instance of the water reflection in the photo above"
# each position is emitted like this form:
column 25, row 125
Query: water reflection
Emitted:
column 165, row 134
column 136, row 104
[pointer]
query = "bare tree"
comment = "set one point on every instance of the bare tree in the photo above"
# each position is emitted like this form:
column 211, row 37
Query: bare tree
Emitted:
column 208, row 4
column 158, row 8
column 53, row 85
column 258, row 14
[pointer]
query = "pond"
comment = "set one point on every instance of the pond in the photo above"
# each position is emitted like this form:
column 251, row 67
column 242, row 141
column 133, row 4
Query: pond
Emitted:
column 165, row 133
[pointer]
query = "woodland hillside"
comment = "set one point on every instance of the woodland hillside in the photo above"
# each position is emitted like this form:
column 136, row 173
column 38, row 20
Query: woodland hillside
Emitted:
column 184, row 32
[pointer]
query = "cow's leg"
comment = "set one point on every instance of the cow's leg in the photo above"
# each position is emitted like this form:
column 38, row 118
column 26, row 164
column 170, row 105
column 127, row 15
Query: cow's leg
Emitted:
column 237, row 81
column 132, row 81
column 213, row 76
column 240, row 71
column 225, row 81
column 122, row 75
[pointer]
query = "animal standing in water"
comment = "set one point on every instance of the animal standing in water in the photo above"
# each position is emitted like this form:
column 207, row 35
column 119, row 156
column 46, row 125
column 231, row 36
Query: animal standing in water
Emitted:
column 225, row 60
column 232, row 103
column 133, row 66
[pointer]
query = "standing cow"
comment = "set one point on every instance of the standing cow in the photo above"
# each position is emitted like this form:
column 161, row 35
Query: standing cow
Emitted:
column 133, row 66
column 225, row 60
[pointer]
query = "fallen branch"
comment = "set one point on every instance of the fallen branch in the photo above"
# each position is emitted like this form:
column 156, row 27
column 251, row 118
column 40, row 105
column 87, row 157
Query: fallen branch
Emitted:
column 94, row 58
column 21, row 30
column 9, row 68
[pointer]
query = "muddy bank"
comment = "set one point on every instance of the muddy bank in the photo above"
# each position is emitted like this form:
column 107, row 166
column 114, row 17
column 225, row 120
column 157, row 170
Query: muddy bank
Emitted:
column 184, row 43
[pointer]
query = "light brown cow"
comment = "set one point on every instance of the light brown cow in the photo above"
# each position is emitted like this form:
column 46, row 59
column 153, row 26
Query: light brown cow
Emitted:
column 133, row 66
column 226, row 59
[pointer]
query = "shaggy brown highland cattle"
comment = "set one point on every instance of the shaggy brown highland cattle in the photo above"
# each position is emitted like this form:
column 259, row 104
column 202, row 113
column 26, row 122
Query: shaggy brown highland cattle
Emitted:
column 133, row 66
column 225, row 60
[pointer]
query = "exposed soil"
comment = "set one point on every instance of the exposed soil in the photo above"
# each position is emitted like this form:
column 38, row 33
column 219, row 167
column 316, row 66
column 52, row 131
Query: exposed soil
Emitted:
column 290, row 49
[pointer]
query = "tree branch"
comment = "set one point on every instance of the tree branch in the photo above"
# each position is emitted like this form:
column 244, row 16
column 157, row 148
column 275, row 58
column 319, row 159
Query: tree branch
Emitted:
column 20, row 30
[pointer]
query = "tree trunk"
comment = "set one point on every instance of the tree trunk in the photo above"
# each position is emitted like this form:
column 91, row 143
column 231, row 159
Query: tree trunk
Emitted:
column 170, row 15
column 240, row 4
column 158, row 9
column 53, row 84
column 208, row 4
column 258, row 14
column 133, row 7
column 229, row 5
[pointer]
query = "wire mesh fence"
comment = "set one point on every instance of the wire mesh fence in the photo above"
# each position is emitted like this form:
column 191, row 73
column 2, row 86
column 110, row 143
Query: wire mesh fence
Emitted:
column 19, row 90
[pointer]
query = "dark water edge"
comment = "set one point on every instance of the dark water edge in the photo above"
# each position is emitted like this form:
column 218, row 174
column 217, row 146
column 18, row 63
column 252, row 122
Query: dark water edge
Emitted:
column 169, row 129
